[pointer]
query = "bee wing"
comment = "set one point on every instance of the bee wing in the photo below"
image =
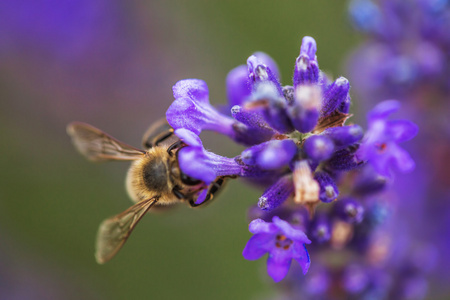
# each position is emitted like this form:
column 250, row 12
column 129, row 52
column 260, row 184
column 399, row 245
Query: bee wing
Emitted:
column 114, row 232
column 96, row 145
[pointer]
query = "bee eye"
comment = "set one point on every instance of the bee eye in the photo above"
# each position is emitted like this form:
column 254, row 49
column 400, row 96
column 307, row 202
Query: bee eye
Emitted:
column 188, row 180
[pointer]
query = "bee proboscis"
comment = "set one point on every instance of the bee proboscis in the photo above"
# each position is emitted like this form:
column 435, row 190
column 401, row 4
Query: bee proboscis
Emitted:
column 153, row 179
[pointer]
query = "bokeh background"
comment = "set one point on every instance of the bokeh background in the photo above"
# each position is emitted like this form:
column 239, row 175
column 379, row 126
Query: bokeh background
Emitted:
column 112, row 64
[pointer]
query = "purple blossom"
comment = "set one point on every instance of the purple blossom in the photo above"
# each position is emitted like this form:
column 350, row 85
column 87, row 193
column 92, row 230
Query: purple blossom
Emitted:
column 319, row 148
column 270, row 155
column 192, row 110
column 309, row 162
column 380, row 144
column 200, row 164
column 349, row 210
column 283, row 243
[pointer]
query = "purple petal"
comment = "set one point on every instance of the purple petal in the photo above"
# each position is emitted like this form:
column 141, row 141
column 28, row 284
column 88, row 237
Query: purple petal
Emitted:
column 257, row 246
column 260, row 226
column 269, row 62
column 188, row 137
column 238, row 89
column 309, row 47
column 381, row 161
column 278, row 264
column 259, row 72
column 197, row 116
column 294, row 234
column 301, row 255
column 193, row 162
column 383, row 109
column 402, row 130
column 194, row 89
column 223, row 166
column 403, row 160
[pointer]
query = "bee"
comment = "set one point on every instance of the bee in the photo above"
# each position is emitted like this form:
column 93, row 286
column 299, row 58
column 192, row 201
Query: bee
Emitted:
column 154, row 178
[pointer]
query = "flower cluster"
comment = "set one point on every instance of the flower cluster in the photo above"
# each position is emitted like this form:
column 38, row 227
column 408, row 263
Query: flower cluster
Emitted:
column 406, row 55
column 318, row 171
column 408, row 46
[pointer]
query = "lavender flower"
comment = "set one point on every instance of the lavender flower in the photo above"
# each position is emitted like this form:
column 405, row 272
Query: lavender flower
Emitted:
column 406, row 56
column 283, row 243
column 380, row 144
column 311, row 164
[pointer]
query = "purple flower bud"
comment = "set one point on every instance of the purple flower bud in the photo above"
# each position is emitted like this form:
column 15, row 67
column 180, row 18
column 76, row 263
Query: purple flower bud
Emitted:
column 265, row 59
column 318, row 147
column 306, row 71
column 344, row 160
column 306, row 68
column 317, row 282
column 309, row 47
column 335, row 95
column 344, row 136
column 257, row 129
column 288, row 93
column 259, row 72
column 270, row 155
column 355, row 279
column 238, row 89
column 369, row 182
column 328, row 188
column 276, row 194
column 349, row 210
column 282, row 242
column 272, row 105
column 304, row 112
column 345, row 105
column 320, row 228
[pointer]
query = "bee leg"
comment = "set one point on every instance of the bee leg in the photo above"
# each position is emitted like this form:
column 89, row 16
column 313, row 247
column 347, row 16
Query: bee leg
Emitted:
column 178, row 194
column 157, row 133
column 213, row 188
column 161, row 138
column 174, row 146
column 192, row 203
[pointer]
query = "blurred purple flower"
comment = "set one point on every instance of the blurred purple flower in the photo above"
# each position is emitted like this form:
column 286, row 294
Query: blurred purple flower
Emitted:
column 380, row 144
column 283, row 243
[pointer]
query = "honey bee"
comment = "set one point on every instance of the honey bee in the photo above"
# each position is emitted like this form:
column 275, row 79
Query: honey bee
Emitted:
column 153, row 179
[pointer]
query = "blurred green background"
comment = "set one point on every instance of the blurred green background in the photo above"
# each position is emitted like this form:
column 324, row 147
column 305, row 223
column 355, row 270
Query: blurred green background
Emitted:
column 112, row 64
